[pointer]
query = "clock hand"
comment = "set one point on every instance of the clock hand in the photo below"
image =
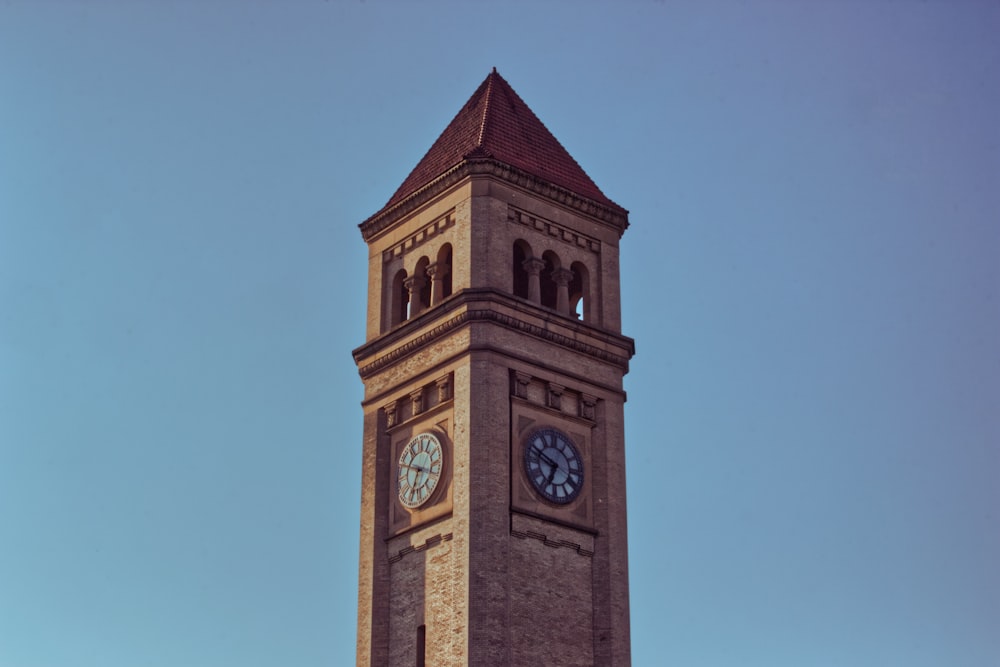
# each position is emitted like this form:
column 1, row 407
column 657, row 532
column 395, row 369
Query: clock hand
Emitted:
column 552, row 473
column 548, row 460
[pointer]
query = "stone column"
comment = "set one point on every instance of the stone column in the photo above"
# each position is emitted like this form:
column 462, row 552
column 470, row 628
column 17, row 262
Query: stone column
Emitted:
column 562, row 278
column 534, row 266
column 414, row 284
column 437, row 272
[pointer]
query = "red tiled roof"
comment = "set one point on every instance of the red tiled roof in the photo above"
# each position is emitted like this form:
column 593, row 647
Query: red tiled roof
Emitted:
column 496, row 123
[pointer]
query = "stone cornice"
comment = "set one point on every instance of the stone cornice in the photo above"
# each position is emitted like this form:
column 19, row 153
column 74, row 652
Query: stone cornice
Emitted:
column 489, row 315
column 552, row 229
column 422, row 235
column 613, row 216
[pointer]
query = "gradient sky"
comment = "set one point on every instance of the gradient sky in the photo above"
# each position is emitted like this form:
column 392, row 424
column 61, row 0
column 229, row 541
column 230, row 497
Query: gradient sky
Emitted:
column 812, row 277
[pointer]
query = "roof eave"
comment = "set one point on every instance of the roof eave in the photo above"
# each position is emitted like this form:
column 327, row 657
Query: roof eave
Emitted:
column 609, row 213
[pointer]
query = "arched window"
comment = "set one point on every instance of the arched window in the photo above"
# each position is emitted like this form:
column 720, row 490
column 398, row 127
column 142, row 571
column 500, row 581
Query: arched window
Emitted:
column 420, row 287
column 548, row 285
column 442, row 275
column 522, row 251
column 400, row 300
column 579, row 293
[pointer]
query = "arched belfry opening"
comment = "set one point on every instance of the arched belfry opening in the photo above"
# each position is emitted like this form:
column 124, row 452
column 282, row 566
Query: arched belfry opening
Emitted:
column 399, row 299
column 440, row 274
column 429, row 284
column 547, row 280
column 580, row 301
column 420, row 288
column 522, row 252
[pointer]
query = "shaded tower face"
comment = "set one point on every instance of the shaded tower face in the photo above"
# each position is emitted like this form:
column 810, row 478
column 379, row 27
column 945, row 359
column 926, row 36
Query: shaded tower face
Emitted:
column 493, row 524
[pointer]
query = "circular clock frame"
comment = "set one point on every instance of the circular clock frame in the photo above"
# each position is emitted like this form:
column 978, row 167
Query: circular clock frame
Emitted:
column 419, row 470
column 553, row 465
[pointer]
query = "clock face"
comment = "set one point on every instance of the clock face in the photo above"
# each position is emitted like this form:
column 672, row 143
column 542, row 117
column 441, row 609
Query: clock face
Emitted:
column 420, row 467
column 554, row 466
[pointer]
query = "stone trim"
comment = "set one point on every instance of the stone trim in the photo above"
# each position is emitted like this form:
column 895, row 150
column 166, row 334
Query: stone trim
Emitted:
column 553, row 395
column 414, row 548
column 417, row 401
column 553, row 229
column 391, row 414
column 521, row 382
column 486, row 315
column 419, row 237
column 443, row 385
column 567, row 401
column 556, row 544
column 427, row 399
column 613, row 216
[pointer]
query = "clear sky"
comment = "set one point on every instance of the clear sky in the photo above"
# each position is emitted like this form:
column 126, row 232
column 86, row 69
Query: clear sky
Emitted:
column 812, row 277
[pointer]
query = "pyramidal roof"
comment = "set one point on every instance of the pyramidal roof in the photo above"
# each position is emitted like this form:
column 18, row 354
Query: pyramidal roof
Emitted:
column 496, row 124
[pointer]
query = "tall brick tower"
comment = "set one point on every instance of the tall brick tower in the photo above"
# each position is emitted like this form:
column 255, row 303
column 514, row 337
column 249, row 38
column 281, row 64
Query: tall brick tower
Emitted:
column 493, row 524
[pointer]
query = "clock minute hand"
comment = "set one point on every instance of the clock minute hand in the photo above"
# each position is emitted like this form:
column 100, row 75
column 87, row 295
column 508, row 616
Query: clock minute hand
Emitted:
column 548, row 460
column 553, row 468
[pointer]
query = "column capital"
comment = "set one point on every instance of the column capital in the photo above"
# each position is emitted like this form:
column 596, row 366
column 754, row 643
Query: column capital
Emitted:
column 533, row 265
column 562, row 277
column 438, row 271
column 414, row 282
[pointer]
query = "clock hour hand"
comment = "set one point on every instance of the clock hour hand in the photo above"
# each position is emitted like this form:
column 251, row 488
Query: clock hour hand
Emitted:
column 413, row 467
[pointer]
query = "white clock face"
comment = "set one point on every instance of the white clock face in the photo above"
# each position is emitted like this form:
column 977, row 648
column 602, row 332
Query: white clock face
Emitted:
column 554, row 466
column 420, row 467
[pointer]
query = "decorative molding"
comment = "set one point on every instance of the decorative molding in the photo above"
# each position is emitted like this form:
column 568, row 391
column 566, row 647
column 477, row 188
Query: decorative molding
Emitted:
column 412, row 346
column 438, row 270
column 568, row 401
column 414, row 283
column 417, row 401
column 553, row 397
column 495, row 317
column 561, row 276
column 556, row 544
column 419, row 237
column 614, row 216
column 444, row 388
column 391, row 414
column 521, row 382
column 428, row 543
column 553, row 229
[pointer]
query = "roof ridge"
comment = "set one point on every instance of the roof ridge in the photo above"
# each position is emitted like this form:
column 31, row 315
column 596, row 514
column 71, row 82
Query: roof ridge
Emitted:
column 486, row 107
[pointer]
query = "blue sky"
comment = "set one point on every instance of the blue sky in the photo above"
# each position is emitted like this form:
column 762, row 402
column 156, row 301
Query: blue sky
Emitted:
column 812, row 277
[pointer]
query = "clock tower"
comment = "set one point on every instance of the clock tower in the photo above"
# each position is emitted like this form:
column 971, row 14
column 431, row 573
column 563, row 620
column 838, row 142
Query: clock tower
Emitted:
column 493, row 523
